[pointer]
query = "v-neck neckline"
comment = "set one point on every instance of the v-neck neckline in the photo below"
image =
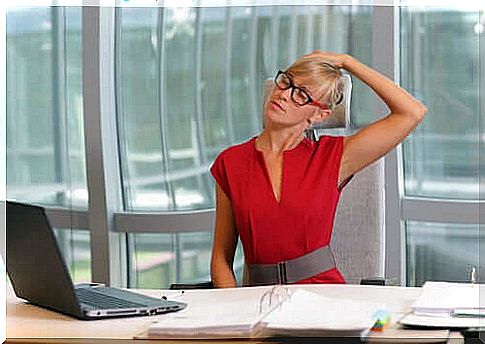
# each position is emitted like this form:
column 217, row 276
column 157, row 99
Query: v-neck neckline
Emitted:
column 304, row 142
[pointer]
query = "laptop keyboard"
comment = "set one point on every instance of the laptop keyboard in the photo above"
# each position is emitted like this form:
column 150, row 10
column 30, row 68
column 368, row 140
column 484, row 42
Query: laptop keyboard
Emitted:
column 101, row 300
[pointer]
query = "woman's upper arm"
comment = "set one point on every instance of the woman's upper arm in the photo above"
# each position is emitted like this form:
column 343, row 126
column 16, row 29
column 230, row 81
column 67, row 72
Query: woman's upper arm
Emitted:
column 374, row 141
column 225, row 236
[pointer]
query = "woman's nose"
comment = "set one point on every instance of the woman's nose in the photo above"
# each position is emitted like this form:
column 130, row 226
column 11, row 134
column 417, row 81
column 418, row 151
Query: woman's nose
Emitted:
column 282, row 94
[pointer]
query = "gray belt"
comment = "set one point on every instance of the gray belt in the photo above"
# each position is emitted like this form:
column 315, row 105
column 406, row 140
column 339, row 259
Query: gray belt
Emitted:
column 290, row 271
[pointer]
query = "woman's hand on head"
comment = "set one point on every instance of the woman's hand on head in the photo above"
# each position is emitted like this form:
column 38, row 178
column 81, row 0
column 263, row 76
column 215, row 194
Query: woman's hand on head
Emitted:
column 338, row 60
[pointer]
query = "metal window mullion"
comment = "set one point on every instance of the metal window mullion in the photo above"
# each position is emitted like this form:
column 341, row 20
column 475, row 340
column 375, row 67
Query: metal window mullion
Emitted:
column 228, row 76
column 201, row 149
column 384, row 60
column 163, row 125
column 309, row 32
column 127, row 187
column 200, row 140
column 162, row 108
column 292, row 47
column 275, row 28
column 61, row 158
column 108, row 257
column 324, row 31
column 481, row 108
column 176, row 222
column 67, row 218
column 253, row 87
column 442, row 211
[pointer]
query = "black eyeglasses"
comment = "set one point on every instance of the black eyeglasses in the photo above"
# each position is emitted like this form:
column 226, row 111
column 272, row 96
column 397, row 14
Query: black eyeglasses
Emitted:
column 283, row 81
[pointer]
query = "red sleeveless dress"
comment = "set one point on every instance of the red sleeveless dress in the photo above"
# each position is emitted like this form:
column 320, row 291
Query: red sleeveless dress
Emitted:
column 302, row 221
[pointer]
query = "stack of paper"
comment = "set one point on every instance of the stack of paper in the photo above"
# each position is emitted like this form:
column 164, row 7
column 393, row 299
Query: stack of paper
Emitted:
column 313, row 315
column 235, row 319
column 303, row 314
column 444, row 304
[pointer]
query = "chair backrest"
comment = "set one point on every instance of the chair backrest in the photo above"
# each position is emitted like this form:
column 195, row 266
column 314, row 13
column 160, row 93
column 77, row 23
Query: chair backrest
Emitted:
column 358, row 231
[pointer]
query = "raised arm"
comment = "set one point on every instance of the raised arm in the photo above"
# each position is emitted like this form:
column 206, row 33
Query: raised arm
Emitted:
column 378, row 138
column 225, row 241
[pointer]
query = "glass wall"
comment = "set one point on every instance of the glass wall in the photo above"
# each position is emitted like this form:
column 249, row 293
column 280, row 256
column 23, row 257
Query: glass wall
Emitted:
column 157, row 260
column 76, row 249
column 440, row 64
column 45, row 140
column 189, row 84
column 442, row 252
column 441, row 49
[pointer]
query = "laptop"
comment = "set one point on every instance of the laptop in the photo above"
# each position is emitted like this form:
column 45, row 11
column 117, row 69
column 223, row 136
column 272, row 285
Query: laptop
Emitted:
column 39, row 274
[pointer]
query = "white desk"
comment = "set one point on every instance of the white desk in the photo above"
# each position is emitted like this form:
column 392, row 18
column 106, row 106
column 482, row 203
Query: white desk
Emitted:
column 31, row 324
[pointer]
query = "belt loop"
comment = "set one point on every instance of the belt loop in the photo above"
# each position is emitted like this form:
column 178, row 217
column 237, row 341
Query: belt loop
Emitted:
column 282, row 278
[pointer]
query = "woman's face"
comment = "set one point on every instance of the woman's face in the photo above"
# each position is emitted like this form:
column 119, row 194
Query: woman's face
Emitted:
column 281, row 110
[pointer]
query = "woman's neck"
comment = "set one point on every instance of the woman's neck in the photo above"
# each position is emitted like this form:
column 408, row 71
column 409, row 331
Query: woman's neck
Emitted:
column 275, row 142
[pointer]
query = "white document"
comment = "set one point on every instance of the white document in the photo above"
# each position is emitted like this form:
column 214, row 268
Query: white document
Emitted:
column 448, row 305
column 304, row 313
column 310, row 314
column 235, row 319
column 442, row 298
column 444, row 321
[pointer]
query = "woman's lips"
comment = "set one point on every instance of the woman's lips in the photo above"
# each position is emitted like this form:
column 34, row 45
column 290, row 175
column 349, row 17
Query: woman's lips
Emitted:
column 276, row 105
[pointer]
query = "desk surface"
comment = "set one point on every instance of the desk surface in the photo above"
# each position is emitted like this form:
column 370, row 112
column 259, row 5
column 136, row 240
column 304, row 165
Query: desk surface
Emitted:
column 30, row 324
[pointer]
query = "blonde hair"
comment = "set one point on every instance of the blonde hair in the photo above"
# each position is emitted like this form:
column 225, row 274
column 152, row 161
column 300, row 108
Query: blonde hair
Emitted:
column 321, row 75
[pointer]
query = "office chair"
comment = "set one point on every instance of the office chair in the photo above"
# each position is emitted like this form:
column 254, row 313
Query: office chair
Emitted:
column 358, row 230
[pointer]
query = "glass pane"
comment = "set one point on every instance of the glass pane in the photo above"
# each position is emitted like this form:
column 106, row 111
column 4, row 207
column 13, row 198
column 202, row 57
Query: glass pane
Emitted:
column 190, row 84
column 442, row 252
column 45, row 141
column 76, row 250
column 158, row 260
column 441, row 158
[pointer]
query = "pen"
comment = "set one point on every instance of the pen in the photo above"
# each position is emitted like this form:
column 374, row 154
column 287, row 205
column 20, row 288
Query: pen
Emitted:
column 173, row 296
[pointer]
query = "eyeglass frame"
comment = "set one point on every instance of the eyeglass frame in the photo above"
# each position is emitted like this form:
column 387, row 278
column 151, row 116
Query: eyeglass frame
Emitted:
column 293, row 87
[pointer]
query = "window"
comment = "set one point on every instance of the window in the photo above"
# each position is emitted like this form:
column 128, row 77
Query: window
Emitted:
column 45, row 140
column 189, row 84
column 440, row 64
column 186, row 83
column 440, row 59
column 76, row 249
column 442, row 252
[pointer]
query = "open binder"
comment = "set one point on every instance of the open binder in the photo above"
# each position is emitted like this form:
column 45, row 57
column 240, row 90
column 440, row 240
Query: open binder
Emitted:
column 278, row 312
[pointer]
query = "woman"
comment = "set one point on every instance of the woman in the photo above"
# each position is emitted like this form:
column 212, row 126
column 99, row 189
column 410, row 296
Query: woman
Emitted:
column 279, row 190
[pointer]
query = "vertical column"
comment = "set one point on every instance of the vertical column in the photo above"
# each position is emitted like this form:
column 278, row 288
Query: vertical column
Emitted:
column 385, row 45
column 108, row 249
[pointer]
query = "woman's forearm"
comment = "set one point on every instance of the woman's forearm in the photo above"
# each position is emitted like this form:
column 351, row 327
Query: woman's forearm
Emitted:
column 397, row 99
column 222, row 274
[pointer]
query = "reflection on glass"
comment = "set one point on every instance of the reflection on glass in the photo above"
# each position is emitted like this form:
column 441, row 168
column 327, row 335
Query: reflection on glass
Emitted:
column 441, row 159
column 76, row 250
column 442, row 252
column 158, row 260
column 45, row 140
column 190, row 84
